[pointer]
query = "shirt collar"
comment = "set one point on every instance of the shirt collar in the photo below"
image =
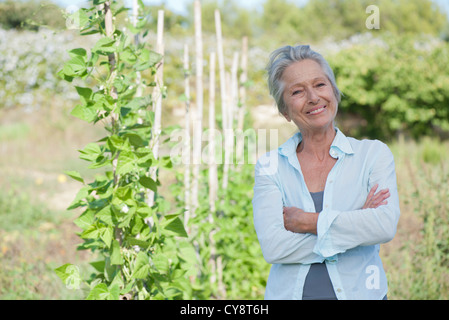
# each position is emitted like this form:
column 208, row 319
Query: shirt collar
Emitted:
column 339, row 145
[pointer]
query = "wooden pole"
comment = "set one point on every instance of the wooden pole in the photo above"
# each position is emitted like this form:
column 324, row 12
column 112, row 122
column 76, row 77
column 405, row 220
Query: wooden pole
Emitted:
column 157, row 101
column 197, row 139
column 135, row 14
column 157, row 107
column 234, row 89
column 243, row 83
column 213, row 179
column 109, row 28
column 240, row 153
column 224, row 96
column 221, row 66
column 186, row 155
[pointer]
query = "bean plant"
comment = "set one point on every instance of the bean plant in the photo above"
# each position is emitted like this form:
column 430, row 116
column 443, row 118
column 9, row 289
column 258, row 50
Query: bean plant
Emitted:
column 141, row 243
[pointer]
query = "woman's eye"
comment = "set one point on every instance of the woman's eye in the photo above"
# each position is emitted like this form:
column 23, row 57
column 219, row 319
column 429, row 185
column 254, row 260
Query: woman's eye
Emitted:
column 321, row 84
column 296, row 92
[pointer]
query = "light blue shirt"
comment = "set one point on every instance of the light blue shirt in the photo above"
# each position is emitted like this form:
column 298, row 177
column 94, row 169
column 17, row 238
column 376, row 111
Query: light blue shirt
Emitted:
column 348, row 237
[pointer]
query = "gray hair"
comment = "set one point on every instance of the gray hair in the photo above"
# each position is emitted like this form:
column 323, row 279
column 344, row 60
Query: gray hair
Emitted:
column 281, row 58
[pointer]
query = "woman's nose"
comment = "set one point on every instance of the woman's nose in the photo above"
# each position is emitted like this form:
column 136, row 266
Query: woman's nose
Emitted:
column 312, row 96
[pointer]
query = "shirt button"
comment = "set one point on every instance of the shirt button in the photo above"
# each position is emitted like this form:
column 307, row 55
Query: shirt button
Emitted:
column 339, row 290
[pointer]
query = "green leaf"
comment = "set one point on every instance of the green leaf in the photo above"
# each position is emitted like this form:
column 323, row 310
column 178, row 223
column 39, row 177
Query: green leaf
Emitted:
column 116, row 255
column 85, row 220
column 69, row 274
column 161, row 263
column 141, row 266
column 107, row 216
column 188, row 254
column 85, row 113
column 125, row 220
column 149, row 183
column 64, row 76
column 104, row 46
column 128, row 56
column 174, row 227
column 115, row 143
column 76, row 66
column 126, row 162
column 98, row 265
column 78, row 52
column 78, row 19
column 102, row 292
column 84, row 93
column 107, row 235
column 138, row 242
column 135, row 139
column 147, row 59
column 145, row 156
column 123, row 193
column 96, row 231
column 138, row 102
column 74, row 175
column 90, row 152
column 79, row 198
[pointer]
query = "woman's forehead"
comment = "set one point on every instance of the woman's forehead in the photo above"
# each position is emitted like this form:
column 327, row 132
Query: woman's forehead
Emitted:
column 303, row 71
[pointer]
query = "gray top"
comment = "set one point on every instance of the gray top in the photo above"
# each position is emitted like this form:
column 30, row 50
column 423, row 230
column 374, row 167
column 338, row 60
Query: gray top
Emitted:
column 318, row 285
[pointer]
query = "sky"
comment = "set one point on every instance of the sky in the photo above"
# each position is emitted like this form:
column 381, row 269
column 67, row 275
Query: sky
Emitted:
column 179, row 6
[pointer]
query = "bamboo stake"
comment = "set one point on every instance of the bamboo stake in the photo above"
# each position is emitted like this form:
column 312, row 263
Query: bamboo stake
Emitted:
column 228, row 131
column 233, row 93
column 157, row 107
column 221, row 67
column 242, row 84
column 157, row 103
column 109, row 28
column 197, row 140
column 234, row 89
column 240, row 154
column 231, row 108
column 224, row 96
column 186, row 155
column 135, row 14
column 213, row 179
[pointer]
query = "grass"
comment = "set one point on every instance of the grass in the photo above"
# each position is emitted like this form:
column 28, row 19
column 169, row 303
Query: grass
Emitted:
column 37, row 233
column 417, row 259
column 35, row 239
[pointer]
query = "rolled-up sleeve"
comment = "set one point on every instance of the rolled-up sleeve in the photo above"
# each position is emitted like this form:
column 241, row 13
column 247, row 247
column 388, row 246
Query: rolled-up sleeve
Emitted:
column 339, row 231
column 278, row 244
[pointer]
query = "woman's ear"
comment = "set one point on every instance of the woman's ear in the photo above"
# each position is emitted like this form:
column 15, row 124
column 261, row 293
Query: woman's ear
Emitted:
column 285, row 114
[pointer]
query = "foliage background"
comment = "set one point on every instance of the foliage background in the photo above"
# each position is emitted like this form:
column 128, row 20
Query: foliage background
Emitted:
column 395, row 83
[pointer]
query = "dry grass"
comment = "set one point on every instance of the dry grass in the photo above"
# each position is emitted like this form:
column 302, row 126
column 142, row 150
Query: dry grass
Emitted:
column 417, row 259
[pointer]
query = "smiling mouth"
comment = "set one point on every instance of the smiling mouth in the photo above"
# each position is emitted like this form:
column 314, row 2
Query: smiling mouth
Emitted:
column 317, row 110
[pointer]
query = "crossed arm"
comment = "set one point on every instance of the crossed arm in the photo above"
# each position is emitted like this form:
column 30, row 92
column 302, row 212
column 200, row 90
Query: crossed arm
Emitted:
column 296, row 220
column 305, row 237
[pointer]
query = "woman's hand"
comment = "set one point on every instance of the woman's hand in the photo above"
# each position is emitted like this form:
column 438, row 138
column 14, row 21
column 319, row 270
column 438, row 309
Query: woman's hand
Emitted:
column 296, row 220
column 375, row 200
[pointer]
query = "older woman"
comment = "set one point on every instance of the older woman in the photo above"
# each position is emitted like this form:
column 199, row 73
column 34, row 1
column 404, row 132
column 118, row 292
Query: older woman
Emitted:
column 323, row 202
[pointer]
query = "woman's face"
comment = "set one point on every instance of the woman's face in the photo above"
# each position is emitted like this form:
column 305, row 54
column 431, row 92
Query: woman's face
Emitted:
column 309, row 96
